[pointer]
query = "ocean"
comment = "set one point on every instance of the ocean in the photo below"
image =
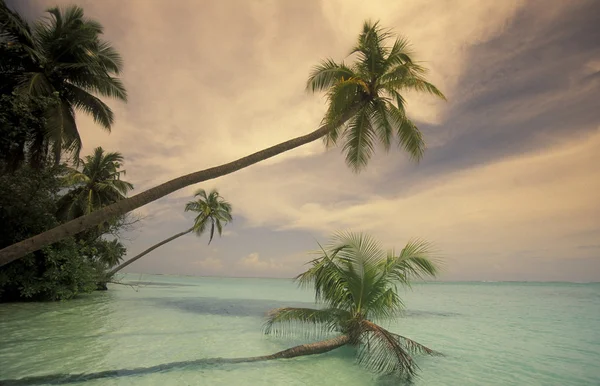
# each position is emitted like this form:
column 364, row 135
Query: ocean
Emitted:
column 158, row 330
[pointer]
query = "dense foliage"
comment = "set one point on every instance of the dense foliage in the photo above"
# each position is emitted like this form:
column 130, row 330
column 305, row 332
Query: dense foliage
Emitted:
column 61, row 56
column 47, row 72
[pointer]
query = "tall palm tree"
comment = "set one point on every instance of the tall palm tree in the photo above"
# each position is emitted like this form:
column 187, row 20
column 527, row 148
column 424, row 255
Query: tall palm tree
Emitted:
column 355, row 281
column 63, row 56
column 211, row 209
column 365, row 106
column 95, row 185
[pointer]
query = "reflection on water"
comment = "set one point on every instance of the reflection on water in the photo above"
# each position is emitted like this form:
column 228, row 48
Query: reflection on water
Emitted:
column 164, row 333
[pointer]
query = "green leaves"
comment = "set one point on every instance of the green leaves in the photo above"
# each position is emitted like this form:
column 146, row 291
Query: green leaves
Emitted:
column 327, row 74
column 380, row 351
column 354, row 273
column 356, row 280
column 62, row 55
column 212, row 209
column 97, row 183
column 306, row 322
column 360, row 108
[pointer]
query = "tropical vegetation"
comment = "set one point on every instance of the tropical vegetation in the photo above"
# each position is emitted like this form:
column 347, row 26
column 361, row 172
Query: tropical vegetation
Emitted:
column 61, row 57
column 211, row 209
column 49, row 71
column 366, row 107
column 29, row 204
column 356, row 286
column 95, row 183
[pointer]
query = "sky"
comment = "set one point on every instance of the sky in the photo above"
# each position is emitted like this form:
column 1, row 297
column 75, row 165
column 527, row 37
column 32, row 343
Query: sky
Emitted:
column 508, row 189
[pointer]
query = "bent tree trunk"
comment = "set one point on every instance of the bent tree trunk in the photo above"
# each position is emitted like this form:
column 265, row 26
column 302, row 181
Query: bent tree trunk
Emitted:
column 133, row 259
column 32, row 244
column 297, row 351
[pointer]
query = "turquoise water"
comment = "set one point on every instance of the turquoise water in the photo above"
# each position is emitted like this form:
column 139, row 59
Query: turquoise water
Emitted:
column 490, row 333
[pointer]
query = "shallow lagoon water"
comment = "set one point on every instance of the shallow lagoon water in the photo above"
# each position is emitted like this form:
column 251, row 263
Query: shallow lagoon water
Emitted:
column 160, row 331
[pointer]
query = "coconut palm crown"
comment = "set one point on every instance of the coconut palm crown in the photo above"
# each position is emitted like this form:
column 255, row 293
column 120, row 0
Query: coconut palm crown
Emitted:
column 63, row 55
column 212, row 209
column 365, row 102
column 356, row 283
column 95, row 185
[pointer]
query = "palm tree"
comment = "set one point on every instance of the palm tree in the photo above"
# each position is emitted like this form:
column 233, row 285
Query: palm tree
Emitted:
column 355, row 281
column 63, row 56
column 96, row 185
column 212, row 209
column 365, row 106
column 111, row 252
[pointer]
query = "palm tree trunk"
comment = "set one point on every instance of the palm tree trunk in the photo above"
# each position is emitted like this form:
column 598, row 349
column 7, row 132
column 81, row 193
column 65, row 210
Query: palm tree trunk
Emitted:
column 298, row 351
column 306, row 349
column 32, row 244
column 133, row 259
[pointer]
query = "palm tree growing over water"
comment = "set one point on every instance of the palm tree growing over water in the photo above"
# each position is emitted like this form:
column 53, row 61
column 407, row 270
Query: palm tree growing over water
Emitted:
column 365, row 107
column 212, row 211
column 356, row 283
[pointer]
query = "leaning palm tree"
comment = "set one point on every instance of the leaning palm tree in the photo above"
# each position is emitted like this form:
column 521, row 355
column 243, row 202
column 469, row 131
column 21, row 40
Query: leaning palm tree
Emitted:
column 356, row 283
column 64, row 56
column 366, row 107
column 95, row 184
column 212, row 210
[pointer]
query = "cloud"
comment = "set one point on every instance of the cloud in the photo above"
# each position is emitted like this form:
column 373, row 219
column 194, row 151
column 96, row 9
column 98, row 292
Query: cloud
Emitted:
column 542, row 201
column 253, row 263
column 508, row 179
column 210, row 265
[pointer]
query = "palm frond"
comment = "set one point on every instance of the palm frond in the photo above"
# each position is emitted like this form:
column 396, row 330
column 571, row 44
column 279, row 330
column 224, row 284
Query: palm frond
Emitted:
column 371, row 49
column 343, row 98
column 61, row 130
column 212, row 230
column 109, row 58
column 400, row 53
column 416, row 261
column 90, row 104
column 415, row 347
column 359, row 139
column 409, row 136
column 15, row 29
column 381, row 352
column 34, row 84
column 327, row 74
column 305, row 322
column 101, row 84
column 407, row 77
column 381, row 123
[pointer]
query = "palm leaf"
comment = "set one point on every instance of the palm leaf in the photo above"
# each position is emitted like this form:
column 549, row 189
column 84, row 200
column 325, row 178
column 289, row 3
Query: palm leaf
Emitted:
column 359, row 140
column 409, row 136
column 415, row 347
column 327, row 74
column 380, row 351
column 90, row 104
column 381, row 123
column 304, row 321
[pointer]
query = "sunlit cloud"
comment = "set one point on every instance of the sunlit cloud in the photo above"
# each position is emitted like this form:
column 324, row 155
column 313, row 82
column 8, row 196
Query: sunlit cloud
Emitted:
column 509, row 177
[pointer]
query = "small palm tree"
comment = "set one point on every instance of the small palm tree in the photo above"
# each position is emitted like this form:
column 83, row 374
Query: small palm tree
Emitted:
column 356, row 281
column 63, row 56
column 95, row 186
column 212, row 209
